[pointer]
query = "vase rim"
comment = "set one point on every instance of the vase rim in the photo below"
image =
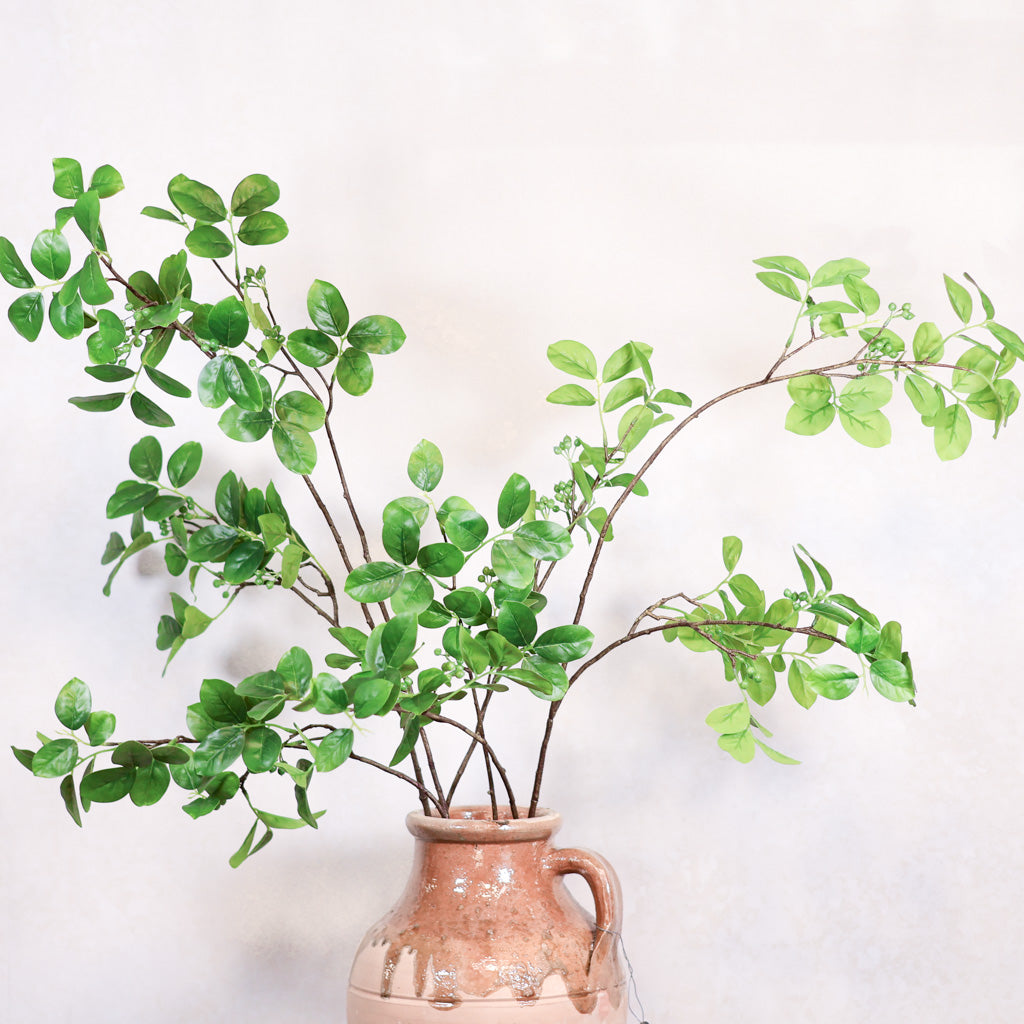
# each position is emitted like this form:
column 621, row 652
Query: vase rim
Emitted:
column 474, row 824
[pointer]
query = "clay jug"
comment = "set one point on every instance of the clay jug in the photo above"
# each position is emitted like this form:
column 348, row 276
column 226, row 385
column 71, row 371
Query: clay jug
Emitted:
column 486, row 931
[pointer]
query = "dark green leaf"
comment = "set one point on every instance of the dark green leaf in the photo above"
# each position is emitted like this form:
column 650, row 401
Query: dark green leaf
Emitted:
column 241, row 425
column 51, row 254
column 243, row 561
column 168, row 384
column 107, row 786
column 301, row 409
column 128, row 497
column 92, row 284
column 228, row 322
column 148, row 411
column 513, row 501
column 87, row 217
column 401, row 536
column 146, row 458
column 327, row 310
column 212, row 543
column 158, row 213
column 219, row 750
column 355, row 372
column 70, row 798
column 99, row 727
column 12, row 270
column 150, row 784
column 467, row 530
column 67, row 320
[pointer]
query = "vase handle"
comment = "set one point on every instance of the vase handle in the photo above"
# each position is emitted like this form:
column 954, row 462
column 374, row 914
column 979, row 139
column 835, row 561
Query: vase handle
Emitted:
column 604, row 885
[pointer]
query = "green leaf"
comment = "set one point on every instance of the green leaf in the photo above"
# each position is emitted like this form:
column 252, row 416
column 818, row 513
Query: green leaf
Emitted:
column 355, row 372
column 264, row 228
column 512, row 565
column 195, row 199
column 426, row 465
column 802, row 693
column 375, row 581
column 228, row 322
column 12, row 270
column 87, row 217
column 563, row 643
column 517, row 623
column 219, row 750
column 669, row 397
column 291, row 561
column 401, row 535
column 26, row 315
column 255, row 192
column 862, row 295
column 780, row 283
column 891, row 678
column 377, row 334
column 623, row 392
column 730, row 718
column 146, row 458
column 150, row 784
column 241, row 425
column 571, row 394
column 295, row 448
column 834, row 271
column 311, row 348
column 832, row 681
column 870, row 429
column 573, row 358
column 1008, row 338
column 243, row 561
column 99, row 727
column 862, row 636
column 440, row 559
column 922, row 396
column 167, row 384
column 92, row 284
column 107, row 786
column 775, row 755
column 262, row 748
column 212, row 543
column 732, row 548
column 513, row 501
column 184, row 463
column 159, row 213
column 544, row 540
column 928, row 345
column 301, row 409
column 466, row 529
column 959, row 298
column 414, row 594
column 67, row 320
column 811, row 392
column 73, row 704
column 70, row 798
column 208, row 241
column 327, row 309
column 148, row 411
column 634, row 426
column 333, row 750
column 239, row 856
column 631, row 356
column 397, row 640
column 106, row 182
column 67, row 177
column 739, row 745
column 241, row 383
column 55, row 759
column 952, row 432
column 787, row 264
column 129, row 496
column 865, row 394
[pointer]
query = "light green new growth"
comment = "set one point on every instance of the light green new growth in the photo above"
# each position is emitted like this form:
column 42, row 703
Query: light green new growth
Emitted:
column 428, row 639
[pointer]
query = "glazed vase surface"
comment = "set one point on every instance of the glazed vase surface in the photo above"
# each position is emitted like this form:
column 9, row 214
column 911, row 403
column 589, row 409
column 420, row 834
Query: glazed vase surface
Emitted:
column 486, row 931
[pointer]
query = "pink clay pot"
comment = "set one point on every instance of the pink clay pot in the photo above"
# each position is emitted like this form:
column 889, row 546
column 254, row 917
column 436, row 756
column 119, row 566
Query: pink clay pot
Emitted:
column 487, row 933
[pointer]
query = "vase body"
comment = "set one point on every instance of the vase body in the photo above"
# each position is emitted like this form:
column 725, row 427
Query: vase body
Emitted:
column 486, row 931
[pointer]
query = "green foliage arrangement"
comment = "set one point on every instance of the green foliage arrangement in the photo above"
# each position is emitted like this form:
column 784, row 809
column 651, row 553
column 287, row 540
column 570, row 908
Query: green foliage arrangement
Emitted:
column 455, row 611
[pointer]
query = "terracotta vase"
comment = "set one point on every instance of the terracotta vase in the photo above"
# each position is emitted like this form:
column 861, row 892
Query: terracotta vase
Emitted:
column 487, row 933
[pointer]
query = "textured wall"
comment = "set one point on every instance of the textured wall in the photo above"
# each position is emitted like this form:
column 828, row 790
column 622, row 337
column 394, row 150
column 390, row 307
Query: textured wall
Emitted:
column 498, row 176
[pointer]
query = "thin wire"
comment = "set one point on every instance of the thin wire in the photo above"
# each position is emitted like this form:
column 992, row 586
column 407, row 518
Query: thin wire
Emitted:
column 632, row 991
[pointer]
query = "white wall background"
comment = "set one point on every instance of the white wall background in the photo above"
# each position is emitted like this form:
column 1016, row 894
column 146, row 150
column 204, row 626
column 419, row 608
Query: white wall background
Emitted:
column 498, row 176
